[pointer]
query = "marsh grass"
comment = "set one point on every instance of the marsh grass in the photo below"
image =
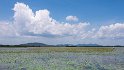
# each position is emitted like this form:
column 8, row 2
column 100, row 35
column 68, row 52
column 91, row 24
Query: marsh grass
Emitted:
column 61, row 58
column 71, row 49
column 61, row 49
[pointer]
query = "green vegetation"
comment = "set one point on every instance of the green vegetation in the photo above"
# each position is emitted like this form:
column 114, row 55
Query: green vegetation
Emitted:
column 61, row 58
column 60, row 49
column 71, row 49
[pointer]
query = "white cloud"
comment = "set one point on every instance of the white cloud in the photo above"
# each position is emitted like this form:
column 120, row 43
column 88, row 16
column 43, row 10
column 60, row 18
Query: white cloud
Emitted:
column 29, row 26
column 23, row 17
column 40, row 23
column 6, row 29
column 111, row 31
column 71, row 18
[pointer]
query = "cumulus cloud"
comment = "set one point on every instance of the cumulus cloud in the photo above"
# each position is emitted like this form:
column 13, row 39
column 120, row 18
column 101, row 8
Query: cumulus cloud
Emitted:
column 111, row 31
column 71, row 18
column 40, row 23
column 7, row 29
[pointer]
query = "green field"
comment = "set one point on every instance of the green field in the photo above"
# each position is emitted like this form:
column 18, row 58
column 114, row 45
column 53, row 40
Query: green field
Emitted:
column 62, row 58
column 60, row 49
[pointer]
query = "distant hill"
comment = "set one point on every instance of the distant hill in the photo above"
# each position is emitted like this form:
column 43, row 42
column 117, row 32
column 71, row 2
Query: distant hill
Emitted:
column 34, row 44
column 78, row 45
column 59, row 45
column 88, row 45
column 64, row 45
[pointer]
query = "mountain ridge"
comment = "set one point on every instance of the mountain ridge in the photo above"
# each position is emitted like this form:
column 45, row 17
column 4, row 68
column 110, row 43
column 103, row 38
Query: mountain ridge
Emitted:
column 37, row 44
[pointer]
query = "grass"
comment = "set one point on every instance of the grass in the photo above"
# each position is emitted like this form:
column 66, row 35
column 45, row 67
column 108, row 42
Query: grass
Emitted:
column 71, row 49
column 61, row 58
column 61, row 49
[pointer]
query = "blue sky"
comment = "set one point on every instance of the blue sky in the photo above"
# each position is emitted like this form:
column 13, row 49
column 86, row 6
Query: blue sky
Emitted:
column 100, row 14
column 86, row 10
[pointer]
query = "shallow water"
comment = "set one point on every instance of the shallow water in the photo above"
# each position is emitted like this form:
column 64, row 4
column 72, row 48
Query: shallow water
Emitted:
column 61, row 60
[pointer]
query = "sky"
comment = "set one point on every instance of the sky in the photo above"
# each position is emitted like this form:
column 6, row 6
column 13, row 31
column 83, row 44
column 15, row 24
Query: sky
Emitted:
column 62, row 21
